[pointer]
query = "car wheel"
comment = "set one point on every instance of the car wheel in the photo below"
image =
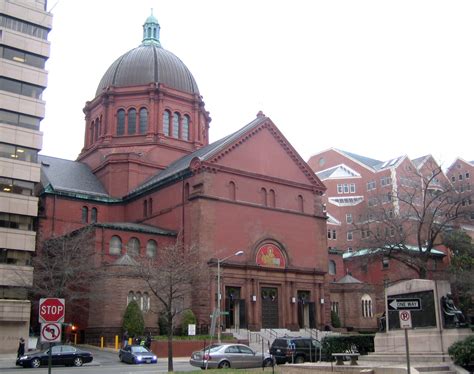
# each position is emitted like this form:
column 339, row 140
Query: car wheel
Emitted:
column 35, row 363
column 77, row 361
column 299, row 359
column 224, row 365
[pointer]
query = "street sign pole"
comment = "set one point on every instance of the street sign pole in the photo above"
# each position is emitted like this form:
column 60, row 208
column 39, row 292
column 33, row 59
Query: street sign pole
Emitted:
column 407, row 351
column 50, row 358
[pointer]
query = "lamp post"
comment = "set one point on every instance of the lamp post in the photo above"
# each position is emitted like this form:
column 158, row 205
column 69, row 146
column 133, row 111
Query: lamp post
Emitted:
column 219, row 262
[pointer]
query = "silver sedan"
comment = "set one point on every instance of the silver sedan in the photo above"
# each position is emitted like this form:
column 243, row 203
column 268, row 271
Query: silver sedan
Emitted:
column 225, row 356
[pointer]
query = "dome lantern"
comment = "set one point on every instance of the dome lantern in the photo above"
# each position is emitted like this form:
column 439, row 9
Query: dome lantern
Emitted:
column 151, row 31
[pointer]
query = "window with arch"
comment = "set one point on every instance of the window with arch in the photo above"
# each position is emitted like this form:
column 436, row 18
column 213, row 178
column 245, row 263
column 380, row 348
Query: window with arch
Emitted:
column 332, row 267
column 146, row 302
column 175, row 133
column 151, row 248
column 130, row 297
column 166, row 123
column 366, row 304
column 143, row 114
column 150, row 206
column 133, row 247
column 139, row 299
column 96, row 129
column 232, row 190
column 185, row 128
column 85, row 214
column 300, row 203
column 271, row 195
column 115, row 245
column 132, row 122
column 94, row 215
column 121, row 122
column 264, row 197
column 91, row 133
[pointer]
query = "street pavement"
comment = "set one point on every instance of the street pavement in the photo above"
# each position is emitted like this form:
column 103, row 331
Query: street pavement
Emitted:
column 106, row 359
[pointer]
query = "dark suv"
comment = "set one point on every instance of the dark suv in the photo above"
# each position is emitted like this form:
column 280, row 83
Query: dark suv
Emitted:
column 295, row 350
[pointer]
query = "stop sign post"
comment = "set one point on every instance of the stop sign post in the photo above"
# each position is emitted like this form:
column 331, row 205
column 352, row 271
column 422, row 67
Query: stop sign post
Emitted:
column 51, row 310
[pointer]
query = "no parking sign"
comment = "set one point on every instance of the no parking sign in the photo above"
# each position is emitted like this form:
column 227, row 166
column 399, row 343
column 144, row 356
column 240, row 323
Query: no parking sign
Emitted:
column 405, row 319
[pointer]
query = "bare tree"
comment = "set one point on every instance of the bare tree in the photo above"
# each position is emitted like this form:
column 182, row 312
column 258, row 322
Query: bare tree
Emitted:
column 65, row 266
column 407, row 222
column 171, row 277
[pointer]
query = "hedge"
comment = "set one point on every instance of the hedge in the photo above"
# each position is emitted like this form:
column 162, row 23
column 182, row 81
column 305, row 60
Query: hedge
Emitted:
column 343, row 343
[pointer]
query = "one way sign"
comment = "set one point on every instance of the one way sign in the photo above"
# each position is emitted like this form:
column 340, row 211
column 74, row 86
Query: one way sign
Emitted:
column 404, row 304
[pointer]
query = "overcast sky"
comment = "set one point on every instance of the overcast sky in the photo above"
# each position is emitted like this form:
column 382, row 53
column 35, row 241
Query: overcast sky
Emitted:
column 377, row 78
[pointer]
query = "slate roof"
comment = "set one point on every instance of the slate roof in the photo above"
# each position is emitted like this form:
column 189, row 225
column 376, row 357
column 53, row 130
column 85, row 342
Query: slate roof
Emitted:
column 412, row 248
column 347, row 279
column 70, row 176
column 202, row 154
column 370, row 162
column 327, row 173
column 136, row 227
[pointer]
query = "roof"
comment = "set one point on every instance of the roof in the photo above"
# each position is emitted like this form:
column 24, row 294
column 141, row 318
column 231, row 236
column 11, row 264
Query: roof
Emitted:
column 202, row 154
column 346, row 279
column 370, row 162
column 70, row 176
column 149, row 63
column 125, row 260
column 366, row 251
column 136, row 227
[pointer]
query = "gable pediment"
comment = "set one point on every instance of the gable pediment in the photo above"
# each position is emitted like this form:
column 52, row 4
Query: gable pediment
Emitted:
column 262, row 150
column 340, row 171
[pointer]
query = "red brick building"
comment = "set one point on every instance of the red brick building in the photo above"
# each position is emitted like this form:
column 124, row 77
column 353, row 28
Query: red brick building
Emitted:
column 362, row 191
column 147, row 173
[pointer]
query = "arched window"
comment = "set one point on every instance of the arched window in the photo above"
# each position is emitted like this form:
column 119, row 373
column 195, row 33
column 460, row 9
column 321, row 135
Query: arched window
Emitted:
column 133, row 247
column 175, row 133
column 139, row 299
column 115, row 245
column 91, row 133
column 121, row 122
column 96, row 129
column 132, row 122
column 85, row 214
column 166, row 123
column 185, row 128
column 263, row 193
column 150, row 206
column 130, row 297
column 151, row 249
column 272, row 198
column 143, row 121
column 366, row 303
column 332, row 267
column 146, row 302
column 300, row 203
column 94, row 215
column 232, row 191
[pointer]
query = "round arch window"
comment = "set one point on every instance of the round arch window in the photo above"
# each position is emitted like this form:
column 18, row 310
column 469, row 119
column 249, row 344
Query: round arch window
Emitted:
column 133, row 247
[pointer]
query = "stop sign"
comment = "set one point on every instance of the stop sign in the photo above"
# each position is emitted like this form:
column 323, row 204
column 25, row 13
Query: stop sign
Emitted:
column 51, row 310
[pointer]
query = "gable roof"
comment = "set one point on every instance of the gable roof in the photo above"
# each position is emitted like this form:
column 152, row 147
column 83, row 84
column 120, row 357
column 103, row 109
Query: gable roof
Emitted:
column 338, row 171
column 211, row 153
column 70, row 177
column 348, row 279
column 370, row 162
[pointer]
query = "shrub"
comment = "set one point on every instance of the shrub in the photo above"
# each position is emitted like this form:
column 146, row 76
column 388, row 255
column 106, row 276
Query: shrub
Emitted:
column 462, row 352
column 133, row 320
column 188, row 318
column 343, row 343
column 335, row 321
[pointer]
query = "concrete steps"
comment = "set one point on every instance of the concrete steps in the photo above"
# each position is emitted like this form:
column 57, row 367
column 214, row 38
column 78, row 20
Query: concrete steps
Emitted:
column 414, row 357
column 435, row 369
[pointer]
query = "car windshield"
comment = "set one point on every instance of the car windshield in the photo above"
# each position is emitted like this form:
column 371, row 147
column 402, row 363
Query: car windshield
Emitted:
column 139, row 349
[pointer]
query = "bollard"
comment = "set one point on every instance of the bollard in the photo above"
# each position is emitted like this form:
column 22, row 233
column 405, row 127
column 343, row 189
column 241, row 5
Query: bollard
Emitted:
column 116, row 342
column 101, row 342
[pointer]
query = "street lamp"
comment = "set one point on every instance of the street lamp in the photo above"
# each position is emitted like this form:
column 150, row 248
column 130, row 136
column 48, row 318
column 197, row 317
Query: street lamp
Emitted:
column 219, row 262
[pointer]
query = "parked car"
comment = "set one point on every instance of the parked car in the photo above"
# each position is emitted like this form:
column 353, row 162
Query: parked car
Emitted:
column 60, row 355
column 137, row 354
column 224, row 356
column 295, row 350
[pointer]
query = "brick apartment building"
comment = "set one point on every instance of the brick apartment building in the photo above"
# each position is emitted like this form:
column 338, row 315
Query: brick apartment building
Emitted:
column 24, row 49
column 147, row 173
column 361, row 190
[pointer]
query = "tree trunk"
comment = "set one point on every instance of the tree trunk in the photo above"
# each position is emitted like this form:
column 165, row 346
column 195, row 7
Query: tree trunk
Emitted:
column 170, row 343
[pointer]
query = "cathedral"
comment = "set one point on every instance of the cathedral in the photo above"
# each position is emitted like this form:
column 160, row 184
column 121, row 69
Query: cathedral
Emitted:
column 147, row 174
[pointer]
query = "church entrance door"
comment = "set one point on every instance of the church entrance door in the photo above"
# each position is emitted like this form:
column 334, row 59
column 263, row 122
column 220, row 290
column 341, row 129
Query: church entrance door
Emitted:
column 269, row 307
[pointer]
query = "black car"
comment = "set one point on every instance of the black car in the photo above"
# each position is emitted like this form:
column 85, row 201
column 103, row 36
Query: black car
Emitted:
column 295, row 350
column 137, row 354
column 60, row 355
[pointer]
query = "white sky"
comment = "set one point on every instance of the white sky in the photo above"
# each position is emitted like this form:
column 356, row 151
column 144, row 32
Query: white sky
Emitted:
column 378, row 78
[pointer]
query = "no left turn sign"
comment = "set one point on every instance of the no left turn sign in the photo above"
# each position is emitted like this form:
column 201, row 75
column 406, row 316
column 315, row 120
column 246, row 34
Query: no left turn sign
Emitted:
column 405, row 319
column 50, row 332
